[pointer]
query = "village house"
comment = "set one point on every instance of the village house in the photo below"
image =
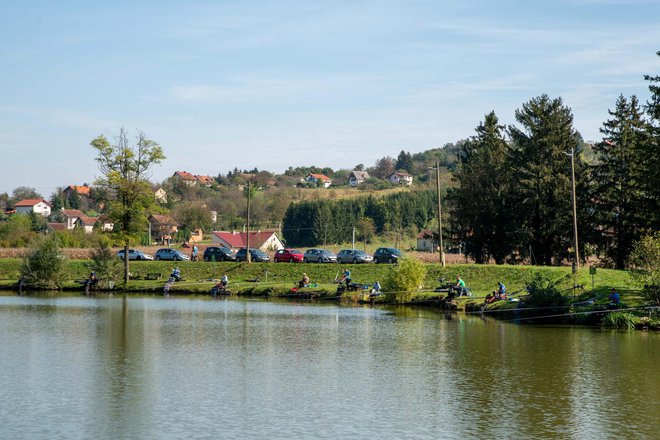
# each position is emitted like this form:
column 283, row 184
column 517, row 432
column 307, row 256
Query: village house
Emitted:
column 425, row 241
column 400, row 178
column 38, row 206
column 81, row 190
column 266, row 240
column 160, row 195
column 163, row 228
column 357, row 177
column 193, row 179
column 76, row 218
column 205, row 180
column 316, row 178
column 186, row 177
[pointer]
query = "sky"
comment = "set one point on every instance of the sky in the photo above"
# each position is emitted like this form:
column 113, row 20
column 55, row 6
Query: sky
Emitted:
column 273, row 84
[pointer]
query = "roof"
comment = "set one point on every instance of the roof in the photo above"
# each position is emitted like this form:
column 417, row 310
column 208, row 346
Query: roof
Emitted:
column 31, row 202
column 360, row 174
column 425, row 233
column 87, row 221
column 322, row 177
column 57, row 226
column 239, row 239
column 73, row 213
column 207, row 180
column 80, row 189
column 162, row 219
column 400, row 174
column 185, row 175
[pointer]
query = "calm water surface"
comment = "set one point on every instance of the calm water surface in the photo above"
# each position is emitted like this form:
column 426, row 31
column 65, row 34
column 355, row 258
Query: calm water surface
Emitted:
column 152, row 368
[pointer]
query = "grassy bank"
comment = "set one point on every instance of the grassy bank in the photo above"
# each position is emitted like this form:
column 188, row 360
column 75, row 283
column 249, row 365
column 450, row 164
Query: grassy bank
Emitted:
column 277, row 278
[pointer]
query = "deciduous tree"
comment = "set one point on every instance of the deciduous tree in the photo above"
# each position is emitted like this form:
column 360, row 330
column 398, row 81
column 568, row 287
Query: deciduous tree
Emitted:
column 125, row 171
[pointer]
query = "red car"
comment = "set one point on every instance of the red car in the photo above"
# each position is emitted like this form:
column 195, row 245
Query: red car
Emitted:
column 288, row 255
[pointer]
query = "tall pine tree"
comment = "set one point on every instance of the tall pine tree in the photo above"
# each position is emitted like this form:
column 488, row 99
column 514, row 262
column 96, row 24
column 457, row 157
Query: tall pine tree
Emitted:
column 542, row 180
column 651, row 162
column 618, row 183
column 480, row 202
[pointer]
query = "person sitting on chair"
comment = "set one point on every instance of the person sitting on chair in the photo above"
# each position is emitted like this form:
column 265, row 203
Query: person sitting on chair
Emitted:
column 460, row 287
column 304, row 281
column 501, row 290
column 176, row 274
column 347, row 277
column 375, row 290
column 614, row 298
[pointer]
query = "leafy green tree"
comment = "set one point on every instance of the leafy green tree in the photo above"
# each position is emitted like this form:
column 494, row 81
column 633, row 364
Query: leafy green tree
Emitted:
column 645, row 266
column 125, row 171
column 44, row 265
column 193, row 215
column 383, row 167
column 618, row 185
column 24, row 192
column 481, row 201
column 16, row 231
column 542, row 180
column 404, row 279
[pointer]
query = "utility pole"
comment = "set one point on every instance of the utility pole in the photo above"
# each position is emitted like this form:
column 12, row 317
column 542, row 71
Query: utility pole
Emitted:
column 353, row 238
column 440, row 243
column 576, row 262
column 248, row 256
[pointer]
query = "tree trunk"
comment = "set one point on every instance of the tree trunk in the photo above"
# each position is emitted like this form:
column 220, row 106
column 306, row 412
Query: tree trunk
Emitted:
column 126, row 262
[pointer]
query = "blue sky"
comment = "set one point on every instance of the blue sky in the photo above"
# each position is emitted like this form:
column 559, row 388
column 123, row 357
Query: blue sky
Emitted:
column 269, row 84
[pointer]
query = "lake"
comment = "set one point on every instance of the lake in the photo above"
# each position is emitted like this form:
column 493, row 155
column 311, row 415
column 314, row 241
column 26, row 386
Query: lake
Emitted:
column 154, row 368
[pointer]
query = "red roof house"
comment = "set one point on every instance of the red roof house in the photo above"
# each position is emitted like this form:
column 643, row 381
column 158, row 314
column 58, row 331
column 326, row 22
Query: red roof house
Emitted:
column 266, row 240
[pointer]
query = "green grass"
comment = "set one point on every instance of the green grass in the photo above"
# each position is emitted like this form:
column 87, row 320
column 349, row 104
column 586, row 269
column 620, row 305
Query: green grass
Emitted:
column 280, row 277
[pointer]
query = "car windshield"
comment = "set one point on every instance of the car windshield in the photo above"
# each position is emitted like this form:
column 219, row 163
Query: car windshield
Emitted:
column 293, row 251
column 324, row 252
column 395, row 251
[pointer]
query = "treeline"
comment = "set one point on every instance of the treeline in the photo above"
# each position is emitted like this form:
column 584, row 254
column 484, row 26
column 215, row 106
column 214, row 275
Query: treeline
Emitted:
column 512, row 198
column 312, row 223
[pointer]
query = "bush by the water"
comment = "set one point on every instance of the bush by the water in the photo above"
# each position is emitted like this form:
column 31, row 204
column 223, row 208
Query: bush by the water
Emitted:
column 404, row 279
column 619, row 320
column 645, row 264
column 105, row 264
column 544, row 292
column 44, row 265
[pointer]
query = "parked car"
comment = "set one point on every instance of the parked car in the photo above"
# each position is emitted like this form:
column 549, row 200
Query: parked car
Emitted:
column 353, row 256
column 319, row 256
column 387, row 255
column 134, row 254
column 255, row 255
column 170, row 254
column 288, row 255
column 219, row 253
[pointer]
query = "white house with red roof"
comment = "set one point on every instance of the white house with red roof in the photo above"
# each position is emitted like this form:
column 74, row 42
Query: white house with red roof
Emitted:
column 315, row 178
column 266, row 240
column 186, row 177
column 38, row 206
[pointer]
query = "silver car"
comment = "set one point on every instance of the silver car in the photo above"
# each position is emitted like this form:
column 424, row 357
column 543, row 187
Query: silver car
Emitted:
column 134, row 255
column 353, row 256
column 319, row 256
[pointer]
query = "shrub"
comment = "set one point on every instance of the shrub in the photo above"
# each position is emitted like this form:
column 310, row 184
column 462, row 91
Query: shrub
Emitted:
column 44, row 264
column 404, row 279
column 105, row 264
column 619, row 320
column 544, row 292
column 644, row 263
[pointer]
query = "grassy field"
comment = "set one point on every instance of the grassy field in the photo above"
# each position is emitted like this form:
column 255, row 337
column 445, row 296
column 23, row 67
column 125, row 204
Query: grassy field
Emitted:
column 278, row 278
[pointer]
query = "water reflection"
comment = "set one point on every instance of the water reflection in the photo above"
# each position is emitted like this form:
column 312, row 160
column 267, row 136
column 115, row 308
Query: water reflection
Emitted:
column 181, row 368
